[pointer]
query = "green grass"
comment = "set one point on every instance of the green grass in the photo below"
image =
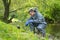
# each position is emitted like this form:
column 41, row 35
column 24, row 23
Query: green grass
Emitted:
column 6, row 31
column 10, row 32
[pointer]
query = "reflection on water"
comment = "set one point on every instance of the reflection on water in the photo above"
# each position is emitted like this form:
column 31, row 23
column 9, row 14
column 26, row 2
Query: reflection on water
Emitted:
column 54, row 29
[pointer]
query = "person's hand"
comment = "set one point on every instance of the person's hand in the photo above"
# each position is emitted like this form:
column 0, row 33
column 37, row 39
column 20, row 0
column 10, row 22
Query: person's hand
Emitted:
column 26, row 24
column 29, row 21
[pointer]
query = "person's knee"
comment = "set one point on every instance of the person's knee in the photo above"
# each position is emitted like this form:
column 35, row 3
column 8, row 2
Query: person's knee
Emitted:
column 42, row 26
column 39, row 28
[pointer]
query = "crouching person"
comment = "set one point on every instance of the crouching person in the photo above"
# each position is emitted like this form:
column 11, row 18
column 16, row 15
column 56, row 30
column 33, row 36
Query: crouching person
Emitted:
column 36, row 20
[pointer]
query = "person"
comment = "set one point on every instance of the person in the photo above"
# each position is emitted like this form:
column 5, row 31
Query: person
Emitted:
column 36, row 20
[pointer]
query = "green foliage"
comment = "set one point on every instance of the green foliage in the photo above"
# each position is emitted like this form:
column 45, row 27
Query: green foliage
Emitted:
column 49, row 8
column 10, row 32
column 44, row 6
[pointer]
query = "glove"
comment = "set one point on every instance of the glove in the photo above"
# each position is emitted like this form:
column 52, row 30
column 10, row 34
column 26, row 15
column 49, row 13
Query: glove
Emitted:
column 29, row 21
